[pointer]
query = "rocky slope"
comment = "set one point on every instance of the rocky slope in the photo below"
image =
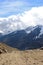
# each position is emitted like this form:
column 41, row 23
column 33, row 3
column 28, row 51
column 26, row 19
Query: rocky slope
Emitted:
column 5, row 48
column 29, row 57
column 12, row 56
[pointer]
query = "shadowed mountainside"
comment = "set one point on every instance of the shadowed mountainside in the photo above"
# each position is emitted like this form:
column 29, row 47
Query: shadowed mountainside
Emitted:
column 23, row 41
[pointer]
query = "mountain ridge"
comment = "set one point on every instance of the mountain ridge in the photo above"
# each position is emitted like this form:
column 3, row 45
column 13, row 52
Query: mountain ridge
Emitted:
column 22, row 40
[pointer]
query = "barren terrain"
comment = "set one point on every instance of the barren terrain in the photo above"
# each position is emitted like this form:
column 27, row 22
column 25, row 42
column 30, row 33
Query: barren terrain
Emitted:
column 16, row 57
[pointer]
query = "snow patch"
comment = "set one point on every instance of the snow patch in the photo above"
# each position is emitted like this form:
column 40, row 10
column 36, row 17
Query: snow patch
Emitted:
column 41, row 31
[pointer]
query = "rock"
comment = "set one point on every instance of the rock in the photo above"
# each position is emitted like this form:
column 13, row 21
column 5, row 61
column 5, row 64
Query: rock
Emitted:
column 3, row 51
column 41, row 48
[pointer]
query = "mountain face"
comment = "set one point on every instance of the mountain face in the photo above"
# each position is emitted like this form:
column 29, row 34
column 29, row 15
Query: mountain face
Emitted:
column 1, row 35
column 30, row 38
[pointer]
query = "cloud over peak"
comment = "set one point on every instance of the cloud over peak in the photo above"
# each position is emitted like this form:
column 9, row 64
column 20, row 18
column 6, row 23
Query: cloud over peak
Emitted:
column 32, row 17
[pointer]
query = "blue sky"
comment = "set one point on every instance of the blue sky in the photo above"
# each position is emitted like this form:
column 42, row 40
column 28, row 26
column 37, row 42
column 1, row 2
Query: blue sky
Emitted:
column 13, row 7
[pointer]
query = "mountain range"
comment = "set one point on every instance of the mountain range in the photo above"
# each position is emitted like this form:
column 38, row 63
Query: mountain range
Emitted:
column 29, row 38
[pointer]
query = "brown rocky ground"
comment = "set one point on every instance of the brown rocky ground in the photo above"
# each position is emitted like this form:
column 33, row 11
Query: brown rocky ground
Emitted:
column 15, row 57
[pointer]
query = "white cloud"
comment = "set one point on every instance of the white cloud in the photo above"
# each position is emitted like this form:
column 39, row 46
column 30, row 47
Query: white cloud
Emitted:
column 28, row 18
column 33, row 16
column 1, row 31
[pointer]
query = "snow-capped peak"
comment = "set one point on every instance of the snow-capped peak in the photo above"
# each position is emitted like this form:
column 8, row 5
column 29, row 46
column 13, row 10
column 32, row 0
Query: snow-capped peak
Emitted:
column 41, row 31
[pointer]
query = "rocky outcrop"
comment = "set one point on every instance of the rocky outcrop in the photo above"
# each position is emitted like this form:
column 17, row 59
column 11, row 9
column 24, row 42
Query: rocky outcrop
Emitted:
column 3, row 51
